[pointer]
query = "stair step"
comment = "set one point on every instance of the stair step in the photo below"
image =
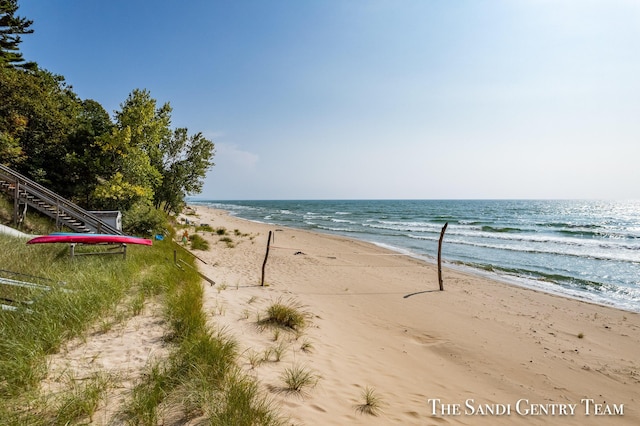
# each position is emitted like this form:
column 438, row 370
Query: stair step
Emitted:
column 27, row 192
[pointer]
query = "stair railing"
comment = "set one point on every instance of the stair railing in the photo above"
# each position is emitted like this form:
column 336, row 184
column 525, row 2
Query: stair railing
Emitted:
column 35, row 190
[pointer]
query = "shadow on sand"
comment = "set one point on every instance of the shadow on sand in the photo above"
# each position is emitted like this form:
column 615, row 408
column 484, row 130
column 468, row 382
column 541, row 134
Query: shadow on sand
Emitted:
column 418, row 292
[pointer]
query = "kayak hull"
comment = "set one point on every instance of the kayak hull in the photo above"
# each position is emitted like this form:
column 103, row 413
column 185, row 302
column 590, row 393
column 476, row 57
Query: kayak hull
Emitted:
column 80, row 238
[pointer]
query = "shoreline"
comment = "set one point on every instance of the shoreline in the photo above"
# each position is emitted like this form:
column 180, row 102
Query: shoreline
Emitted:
column 481, row 274
column 453, row 266
column 612, row 285
column 379, row 321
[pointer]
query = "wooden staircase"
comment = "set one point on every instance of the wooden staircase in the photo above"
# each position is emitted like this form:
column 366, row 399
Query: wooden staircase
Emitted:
column 26, row 192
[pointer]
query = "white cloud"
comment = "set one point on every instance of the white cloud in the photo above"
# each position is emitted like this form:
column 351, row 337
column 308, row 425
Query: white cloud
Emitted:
column 232, row 155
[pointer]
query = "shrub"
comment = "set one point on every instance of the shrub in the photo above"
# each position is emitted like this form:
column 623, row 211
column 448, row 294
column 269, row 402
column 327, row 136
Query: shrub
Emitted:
column 143, row 219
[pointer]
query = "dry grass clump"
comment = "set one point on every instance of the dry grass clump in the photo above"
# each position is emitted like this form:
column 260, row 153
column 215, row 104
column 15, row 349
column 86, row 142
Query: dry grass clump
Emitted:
column 372, row 403
column 306, row 346
column 238, row 233
column 228, row 241
column 204, row 228
column 198, row 243
column 297, row 378
column 286, row 315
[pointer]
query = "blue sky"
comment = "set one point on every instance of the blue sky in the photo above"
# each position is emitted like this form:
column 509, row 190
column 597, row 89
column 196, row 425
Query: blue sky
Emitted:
column 331, row 99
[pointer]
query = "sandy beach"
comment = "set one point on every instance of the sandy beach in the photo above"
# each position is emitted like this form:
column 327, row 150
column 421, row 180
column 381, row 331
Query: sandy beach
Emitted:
column 480, row 352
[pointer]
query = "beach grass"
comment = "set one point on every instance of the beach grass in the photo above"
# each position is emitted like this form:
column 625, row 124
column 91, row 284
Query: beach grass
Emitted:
column 287, row 315
column 71, row 295
column 228, row 241
column 66, row 299
column 242, row 403
column 82, row 398
column 198, row 243
column 279, row 350
column 204, row 228
column 78, row 295
column 306, row 346
column 372, row 403
column 297, row 378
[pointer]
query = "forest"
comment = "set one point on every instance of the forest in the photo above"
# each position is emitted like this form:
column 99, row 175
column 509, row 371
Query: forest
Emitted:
column 132, row 161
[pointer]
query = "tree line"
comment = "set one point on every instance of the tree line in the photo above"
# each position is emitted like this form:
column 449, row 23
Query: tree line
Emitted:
column 134, row 161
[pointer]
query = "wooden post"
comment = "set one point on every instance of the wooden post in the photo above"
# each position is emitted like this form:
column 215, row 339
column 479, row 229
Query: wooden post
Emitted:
column 16, row 203
column 265, row 259
column 444, row 228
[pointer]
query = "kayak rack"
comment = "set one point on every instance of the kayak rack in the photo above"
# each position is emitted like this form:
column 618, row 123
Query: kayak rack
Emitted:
column 121, row 248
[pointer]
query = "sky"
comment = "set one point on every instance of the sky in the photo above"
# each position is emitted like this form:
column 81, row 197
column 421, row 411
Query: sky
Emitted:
column 372, row 99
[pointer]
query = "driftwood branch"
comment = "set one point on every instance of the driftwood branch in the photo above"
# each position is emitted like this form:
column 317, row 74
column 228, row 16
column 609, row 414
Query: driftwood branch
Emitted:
column 444, row 228
column 265, row 259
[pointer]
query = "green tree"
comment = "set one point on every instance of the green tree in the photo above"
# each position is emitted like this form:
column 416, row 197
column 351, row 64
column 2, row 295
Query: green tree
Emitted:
column 11, row 27
column 130, row 153
column 38, row 111
column 136, row 163
column 13, row 122
column 82, row 158
column 185, row 163
column 147, row 162
column 149, row 124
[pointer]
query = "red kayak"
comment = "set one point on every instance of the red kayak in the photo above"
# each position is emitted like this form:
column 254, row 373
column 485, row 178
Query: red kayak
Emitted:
column 81, row 238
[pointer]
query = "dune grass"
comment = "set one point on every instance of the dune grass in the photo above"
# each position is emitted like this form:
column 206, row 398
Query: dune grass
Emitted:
column 228, row 241
column 77, row 293
column 288, row 315
column 82, row 399
column 73, row 294
column 204, row 228
column 297, row 378
column 372, row 403
column 201, row 377
column 201, row 363
column 241, row 403
column 198, row 243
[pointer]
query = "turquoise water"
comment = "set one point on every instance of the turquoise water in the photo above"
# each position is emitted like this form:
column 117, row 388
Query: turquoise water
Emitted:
column 584, row 249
